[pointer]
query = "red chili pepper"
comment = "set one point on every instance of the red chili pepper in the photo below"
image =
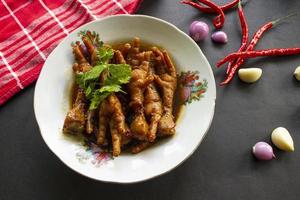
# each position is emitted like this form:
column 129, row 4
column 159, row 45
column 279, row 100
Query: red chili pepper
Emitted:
column 232, row 71
column 245, row 33
column 224, row 7
column 195, row 5
column 208, row 9
column 265, row 52
column 220, row 19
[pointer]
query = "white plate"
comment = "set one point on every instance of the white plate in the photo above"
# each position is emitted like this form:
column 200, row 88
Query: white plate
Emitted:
column 53, row 89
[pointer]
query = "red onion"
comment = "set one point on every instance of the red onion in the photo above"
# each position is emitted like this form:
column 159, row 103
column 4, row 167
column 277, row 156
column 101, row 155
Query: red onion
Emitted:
column 263, row 151
column 219, row 37
column 198, row 30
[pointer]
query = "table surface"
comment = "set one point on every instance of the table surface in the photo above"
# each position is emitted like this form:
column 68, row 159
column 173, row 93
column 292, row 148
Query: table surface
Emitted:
column 222, row 167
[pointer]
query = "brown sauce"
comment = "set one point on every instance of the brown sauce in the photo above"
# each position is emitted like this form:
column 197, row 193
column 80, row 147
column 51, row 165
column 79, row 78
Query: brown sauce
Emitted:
column 178, row 106
column 72, row 97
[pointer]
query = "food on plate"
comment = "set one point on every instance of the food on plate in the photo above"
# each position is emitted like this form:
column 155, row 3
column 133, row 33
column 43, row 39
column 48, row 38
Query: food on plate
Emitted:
column 282, row 139
column 250, row 75
column 123, row 95
column 219, row 37
column 297, row 73
column 263, row 151
column 75, row 119
column 166, row 79
column 198, row 30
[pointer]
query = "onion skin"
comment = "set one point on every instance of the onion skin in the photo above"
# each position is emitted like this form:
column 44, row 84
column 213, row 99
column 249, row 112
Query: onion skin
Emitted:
column 263, row 151
column 219, row 37
column 198, row 30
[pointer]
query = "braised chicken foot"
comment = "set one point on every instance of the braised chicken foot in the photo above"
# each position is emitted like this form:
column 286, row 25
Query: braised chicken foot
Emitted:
column 112, row 116
column 91, row 50
column 75, row 120
column 153, row 110
column 140, row 79
column 167, row 81
column 81, row 65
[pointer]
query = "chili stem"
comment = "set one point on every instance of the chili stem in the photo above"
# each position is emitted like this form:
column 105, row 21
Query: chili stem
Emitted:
column 282, row 19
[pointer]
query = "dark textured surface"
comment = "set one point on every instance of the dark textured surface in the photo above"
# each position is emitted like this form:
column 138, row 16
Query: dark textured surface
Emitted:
column 222, row 167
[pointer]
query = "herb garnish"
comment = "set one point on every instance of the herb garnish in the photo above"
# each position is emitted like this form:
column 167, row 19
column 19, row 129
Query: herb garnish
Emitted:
column 115, row 74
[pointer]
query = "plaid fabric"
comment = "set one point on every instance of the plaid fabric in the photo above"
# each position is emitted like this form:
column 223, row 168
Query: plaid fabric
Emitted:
column 31, row 29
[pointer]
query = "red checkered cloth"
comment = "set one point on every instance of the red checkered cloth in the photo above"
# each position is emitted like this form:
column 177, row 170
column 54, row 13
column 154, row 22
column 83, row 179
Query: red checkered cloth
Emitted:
column 31, row 29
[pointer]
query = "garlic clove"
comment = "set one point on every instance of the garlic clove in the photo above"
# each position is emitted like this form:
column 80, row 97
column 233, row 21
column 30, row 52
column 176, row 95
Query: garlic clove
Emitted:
column 250, row 75
column 297, row 73
column 282, row 139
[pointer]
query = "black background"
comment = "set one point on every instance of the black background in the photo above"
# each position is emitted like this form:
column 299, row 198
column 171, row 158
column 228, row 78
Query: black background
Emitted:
column 222, row 167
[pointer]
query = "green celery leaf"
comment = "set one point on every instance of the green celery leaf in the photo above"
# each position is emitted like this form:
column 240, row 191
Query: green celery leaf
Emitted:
column 89, row 90
column 118, row 74
column 105, row 54
column 97, row 98
column 82, row 33
column 94, row 73
column 79, row 79
column 110, row 88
